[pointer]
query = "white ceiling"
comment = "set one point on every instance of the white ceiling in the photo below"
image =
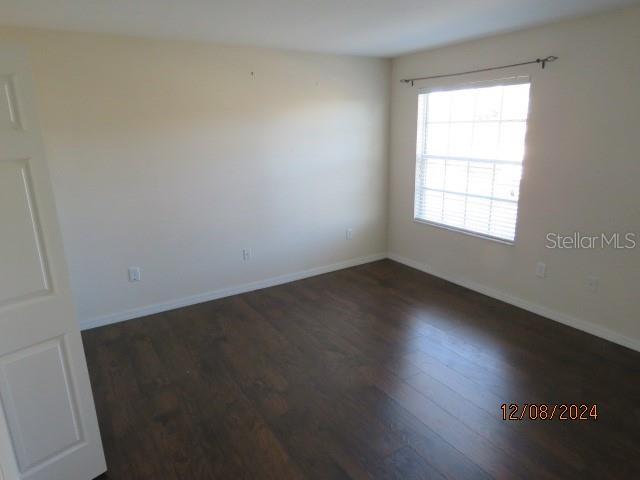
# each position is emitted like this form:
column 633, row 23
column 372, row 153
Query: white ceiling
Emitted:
column 361, row 27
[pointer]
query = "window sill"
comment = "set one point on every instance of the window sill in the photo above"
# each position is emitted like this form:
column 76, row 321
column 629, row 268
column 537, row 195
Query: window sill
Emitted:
column 465, row 232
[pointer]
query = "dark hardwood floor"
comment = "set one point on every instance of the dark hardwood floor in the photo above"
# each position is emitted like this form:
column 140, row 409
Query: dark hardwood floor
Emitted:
column 378, row 371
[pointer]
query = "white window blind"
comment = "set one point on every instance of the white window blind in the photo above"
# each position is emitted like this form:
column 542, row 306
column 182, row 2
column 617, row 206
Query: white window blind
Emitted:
column 469, row 157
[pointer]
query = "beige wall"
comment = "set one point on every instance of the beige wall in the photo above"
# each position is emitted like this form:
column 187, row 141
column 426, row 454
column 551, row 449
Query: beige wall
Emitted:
column 582, row 173
column 171, row 156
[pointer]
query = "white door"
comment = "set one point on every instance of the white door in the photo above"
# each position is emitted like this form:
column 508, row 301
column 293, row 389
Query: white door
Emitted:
column 48, row 426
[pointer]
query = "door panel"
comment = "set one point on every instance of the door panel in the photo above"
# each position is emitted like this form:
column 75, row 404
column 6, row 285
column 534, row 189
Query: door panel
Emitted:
column 9, row 117
column 48, row 424
column 21, row 251
column 33, row 382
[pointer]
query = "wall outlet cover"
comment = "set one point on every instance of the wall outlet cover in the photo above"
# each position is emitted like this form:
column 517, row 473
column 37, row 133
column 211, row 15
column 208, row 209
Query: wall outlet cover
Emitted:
column 134, row 274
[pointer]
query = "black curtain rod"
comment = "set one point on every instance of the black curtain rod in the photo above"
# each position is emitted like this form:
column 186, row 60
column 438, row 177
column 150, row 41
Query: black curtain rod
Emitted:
column 541, row 61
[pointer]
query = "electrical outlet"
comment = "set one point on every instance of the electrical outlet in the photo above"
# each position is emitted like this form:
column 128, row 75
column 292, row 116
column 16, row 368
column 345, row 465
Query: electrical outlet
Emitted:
column 593, row 282
column 246, row 254
column 349, row 234
column 541, row 269
column 134, row 274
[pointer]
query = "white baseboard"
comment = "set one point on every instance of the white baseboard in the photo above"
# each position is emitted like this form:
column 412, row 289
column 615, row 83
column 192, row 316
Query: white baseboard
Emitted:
column 589, row 327
column 563, row 318
column 224, row 292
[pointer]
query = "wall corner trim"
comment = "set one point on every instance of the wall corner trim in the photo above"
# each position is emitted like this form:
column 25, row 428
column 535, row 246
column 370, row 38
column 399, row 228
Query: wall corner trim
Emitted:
column 224, row 292
column 559, row 317
column 554, row 315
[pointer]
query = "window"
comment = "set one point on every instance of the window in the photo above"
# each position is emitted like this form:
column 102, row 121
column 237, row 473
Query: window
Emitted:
column 469, row 157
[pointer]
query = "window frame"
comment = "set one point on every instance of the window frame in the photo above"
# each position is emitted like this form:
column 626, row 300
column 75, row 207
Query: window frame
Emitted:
column 516, row 79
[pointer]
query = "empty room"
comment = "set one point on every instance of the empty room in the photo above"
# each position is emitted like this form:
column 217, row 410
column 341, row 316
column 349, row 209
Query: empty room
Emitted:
column 337, row 239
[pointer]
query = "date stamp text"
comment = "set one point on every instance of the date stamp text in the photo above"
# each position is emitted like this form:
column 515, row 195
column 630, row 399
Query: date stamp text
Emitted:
column 552, row 411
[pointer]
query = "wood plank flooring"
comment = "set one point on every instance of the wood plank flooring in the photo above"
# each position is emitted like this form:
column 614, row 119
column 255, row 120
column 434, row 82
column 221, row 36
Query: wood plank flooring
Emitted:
column 378, row 371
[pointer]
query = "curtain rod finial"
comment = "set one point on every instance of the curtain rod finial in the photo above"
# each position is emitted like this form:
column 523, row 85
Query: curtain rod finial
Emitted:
column 544, row 61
